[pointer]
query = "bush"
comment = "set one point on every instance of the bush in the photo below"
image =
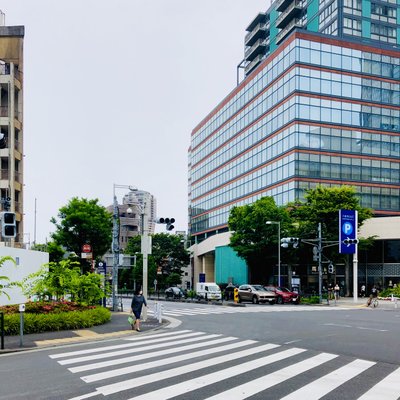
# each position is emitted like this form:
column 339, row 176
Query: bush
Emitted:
column 56, row 321
column 310, row 300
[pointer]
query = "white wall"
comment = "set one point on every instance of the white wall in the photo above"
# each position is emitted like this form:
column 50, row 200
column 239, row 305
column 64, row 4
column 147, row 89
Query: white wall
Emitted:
column 28, row 261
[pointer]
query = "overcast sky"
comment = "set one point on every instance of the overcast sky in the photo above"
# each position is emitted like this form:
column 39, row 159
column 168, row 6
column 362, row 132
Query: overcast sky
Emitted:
column 112, row 91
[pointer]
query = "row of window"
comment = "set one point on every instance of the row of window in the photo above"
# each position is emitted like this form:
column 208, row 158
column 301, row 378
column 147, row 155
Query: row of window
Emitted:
column 315, row 81
column 314, row 109
column 303, row 136
column 310, row 52
column 308, row 165
column 376, row 198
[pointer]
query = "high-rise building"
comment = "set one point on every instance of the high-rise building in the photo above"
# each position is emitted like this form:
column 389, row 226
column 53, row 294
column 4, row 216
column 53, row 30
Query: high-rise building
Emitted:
column 11, row 122
column 319, row 104
column 135, row 204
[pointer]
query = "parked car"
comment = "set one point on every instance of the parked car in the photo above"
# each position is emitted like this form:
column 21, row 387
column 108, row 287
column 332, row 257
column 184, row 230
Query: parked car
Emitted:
column 256, row 294
column 174, row 292
column 284, row 295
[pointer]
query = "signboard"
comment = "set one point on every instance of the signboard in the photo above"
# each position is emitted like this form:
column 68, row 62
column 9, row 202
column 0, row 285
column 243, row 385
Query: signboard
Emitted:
column 87, row 255
column 202, row 278
column 101, row 267
column 348, row 221
column 86, row 248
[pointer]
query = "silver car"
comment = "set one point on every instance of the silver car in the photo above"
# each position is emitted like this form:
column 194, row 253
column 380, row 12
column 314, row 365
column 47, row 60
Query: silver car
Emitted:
column 256, row 294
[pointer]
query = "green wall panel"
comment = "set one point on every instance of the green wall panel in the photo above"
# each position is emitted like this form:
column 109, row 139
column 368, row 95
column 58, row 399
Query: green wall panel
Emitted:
column 229, row 264
column 273, row 30
column 312, row 16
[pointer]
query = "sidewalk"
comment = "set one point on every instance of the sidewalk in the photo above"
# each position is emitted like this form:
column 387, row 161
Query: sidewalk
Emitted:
column 362, row 303
column 116, row 327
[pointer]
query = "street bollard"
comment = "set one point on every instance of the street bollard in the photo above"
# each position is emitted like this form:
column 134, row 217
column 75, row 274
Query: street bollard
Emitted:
column 236, row 295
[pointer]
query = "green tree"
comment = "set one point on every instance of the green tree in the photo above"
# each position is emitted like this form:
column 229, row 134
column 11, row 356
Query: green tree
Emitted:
column 83, row 221
column 168, row 252
column 254, row 240
column 5, row 281
column 322, row 205
column 56, row 252
column 63, row 280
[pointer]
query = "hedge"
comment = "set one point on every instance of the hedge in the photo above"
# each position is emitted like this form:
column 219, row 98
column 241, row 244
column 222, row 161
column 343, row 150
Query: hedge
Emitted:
column 37, row 323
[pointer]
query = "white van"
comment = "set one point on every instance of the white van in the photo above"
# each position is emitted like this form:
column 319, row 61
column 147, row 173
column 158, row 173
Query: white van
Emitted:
column 208, row 291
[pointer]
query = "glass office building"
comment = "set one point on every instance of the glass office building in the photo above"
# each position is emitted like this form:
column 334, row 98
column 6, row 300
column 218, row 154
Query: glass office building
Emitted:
column 319, row 104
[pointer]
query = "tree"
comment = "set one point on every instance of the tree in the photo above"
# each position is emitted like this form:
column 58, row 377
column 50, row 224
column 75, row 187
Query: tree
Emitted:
column 83, row 221
column 322, row 205
column 56, row 252
column 254, row 240
column 5, row 281
column 64, row 280
column 168, row 252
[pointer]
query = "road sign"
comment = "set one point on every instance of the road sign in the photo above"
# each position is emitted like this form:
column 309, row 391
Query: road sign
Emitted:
column 86, row 248
column 348, row 220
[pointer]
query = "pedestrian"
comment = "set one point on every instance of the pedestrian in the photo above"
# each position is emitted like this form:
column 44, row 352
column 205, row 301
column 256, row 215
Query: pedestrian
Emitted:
column 362, row 290
column 330, row 291
column 374, row 291
column 138, row 301
column 337, row 290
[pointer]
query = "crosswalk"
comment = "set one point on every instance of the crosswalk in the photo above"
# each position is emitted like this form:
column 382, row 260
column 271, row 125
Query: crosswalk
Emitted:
column 177, row 312
column 199, row 365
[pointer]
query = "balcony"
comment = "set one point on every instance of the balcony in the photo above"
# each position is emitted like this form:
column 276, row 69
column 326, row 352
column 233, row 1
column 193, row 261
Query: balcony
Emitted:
column 282, row 4
column 259, row 31
column 292, row 11
column 250, row 66
column 258, row 47
column 295, row 23
column 260, row 18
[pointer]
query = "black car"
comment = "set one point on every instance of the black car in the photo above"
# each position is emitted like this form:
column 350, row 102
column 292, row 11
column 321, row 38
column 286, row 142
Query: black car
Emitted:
column 174, row 293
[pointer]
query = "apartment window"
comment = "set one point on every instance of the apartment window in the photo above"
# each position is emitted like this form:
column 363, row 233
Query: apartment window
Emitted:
column 383, row 33
column 352, row 7
column 352, row 26
column 383, row 13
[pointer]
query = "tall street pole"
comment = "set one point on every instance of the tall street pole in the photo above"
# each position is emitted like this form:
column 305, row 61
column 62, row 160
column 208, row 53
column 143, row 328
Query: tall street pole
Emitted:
column 279, row 247
column 115, row 251
column 145, row 249
column 320, row 262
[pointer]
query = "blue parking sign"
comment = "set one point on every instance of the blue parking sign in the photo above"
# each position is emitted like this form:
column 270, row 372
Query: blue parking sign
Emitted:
column 348, row 222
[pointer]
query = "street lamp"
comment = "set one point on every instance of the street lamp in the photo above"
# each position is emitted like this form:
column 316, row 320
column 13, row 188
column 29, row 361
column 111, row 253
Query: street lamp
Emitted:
column 279, row 247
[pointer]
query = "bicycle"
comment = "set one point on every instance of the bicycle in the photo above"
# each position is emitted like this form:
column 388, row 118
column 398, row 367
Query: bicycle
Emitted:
column 373, row 302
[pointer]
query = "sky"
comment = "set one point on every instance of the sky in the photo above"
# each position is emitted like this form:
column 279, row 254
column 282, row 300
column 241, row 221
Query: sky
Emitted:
column 112, row 92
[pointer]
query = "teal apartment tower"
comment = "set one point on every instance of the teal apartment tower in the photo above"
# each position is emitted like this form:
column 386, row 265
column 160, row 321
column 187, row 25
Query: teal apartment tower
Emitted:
column 319, row 103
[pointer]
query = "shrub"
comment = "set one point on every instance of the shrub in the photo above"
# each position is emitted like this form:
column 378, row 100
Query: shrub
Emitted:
column 310, row 300
column 56, row 321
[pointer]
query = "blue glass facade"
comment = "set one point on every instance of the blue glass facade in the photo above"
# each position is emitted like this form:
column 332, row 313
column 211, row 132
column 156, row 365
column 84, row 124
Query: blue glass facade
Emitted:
column 317, row 110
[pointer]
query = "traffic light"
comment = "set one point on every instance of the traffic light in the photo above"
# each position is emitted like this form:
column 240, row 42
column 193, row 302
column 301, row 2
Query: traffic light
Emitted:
column 168, row 222
column 350, row 241
column 294, row 241
column 8, row 224
column 331, row 268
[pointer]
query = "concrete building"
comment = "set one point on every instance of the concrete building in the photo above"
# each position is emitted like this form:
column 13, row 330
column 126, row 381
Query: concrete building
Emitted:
column 134, row 204
column 319, row 104
column 11, row 122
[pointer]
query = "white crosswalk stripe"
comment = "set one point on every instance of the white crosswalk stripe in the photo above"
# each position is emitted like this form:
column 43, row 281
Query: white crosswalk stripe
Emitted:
column 183, row 362
column 209, row 310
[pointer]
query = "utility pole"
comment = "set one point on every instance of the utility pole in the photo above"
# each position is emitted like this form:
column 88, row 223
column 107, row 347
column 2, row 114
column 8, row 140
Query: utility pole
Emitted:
column 145, row 250
column 115, row 251
column 320, row 262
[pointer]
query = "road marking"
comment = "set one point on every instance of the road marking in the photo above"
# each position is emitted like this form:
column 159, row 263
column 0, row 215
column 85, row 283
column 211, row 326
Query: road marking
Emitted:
column 197, row 383
column 339, row 325
column 372, row 329
column 191, row 337
column 265, row 382
column 157, row 339
column 166, row 361
column 140, row 357
column 387, row 388
column 322, row 386
column 293, row 341
column 157, row 377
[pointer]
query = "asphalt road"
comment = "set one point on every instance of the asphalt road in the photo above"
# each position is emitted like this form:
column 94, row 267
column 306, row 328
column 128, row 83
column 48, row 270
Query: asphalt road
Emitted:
column 214, row 352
